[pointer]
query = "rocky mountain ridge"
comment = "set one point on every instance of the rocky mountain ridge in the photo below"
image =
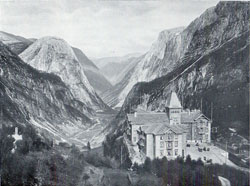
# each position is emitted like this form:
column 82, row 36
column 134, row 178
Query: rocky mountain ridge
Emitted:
column 178, row 46
column 54, row 55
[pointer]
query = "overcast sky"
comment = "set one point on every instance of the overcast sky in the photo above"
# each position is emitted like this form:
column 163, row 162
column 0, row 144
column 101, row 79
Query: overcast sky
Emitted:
column 100, row 28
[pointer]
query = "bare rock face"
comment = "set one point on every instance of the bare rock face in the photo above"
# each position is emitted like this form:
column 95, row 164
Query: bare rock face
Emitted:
column 180, row 46
column 54, row 55
column 28, row 96
column 213, row 68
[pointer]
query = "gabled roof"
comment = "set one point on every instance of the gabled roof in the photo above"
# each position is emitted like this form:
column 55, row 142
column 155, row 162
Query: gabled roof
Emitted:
column 173, row 101
column 150, row 118
column 159, row 129
column 188, row 117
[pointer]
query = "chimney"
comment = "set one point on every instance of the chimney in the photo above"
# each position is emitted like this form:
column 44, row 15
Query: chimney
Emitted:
column 135, row 114
column 16, row 130
column 189, row 112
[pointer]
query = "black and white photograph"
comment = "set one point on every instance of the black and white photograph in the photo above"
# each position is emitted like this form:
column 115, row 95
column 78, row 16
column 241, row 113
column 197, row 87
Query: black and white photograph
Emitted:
column 124, row 93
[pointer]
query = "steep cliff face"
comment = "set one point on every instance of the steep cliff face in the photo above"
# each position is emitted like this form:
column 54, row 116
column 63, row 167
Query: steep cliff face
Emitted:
column 95, row 77
column 16, row 43
column 214, row 69
column 41, row 99
column 180, row 46
column 151, row 65
column 54, row 55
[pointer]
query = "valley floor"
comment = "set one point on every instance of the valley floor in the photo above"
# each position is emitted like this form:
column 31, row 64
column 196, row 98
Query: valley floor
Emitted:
column 95, row 134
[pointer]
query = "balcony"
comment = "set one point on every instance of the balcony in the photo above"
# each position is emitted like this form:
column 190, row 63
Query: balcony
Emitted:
column 201, row 132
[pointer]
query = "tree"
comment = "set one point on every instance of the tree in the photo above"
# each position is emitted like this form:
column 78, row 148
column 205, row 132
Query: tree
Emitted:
column 147, row 165
column 135, row 167
column 85, row 178
column 188, row 160
column 88, row 146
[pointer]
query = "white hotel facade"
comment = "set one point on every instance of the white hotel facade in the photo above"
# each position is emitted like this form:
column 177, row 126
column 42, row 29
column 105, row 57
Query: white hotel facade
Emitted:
column 166, row 133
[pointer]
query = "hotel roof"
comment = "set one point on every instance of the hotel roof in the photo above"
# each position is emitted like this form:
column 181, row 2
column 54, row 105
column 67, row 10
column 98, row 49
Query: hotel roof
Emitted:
column 158, row 129
column 188, row 117
column 148, row 118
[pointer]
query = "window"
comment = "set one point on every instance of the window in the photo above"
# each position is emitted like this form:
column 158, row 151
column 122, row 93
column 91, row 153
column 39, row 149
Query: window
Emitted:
column 161, row 152
column 176, row 137
column 176, row 152
column 134, row 138
column 161, row 144
column 169, row 153
column 169, row 144
column 161, row 137
column 176, row 143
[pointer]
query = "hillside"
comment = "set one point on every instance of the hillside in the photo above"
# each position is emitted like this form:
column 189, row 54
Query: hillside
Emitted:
column 43, row 100
column 95, row 77
column 18, row 44
column 54, row 55
column 177, row 46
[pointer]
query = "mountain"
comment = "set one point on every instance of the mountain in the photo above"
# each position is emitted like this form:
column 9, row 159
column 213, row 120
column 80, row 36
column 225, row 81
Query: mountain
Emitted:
column 95, row 77
column 151, row 65
column 29, row 96
column 111, row 95
column 16, row 43
column 213, row 72
column 54, row 55
column 177, row 46
column 113, row 68
column 101, row 62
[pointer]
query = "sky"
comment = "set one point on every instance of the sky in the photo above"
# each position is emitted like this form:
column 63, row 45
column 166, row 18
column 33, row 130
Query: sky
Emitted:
column 100, row 28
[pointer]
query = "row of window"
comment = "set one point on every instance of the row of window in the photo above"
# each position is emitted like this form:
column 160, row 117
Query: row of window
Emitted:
column 175, row 111
column 168, row 145
column 200, row 129
column 170, row 137
column 169, row 152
